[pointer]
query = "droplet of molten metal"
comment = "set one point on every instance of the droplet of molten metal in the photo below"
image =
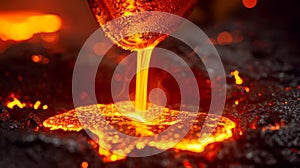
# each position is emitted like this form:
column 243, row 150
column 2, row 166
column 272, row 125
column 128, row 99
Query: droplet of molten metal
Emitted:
column 238, row 79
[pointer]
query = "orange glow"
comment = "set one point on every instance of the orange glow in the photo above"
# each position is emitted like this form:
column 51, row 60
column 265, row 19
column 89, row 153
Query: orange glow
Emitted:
column 50, row 38
column 116, row 9
column 40, row 59
column 249, row 3
column 84, row 164
column 108, row 156
column 224, row 38
column 247, row 89
column 68, row 121
column 236, row 102
column 238, row 79
column 37, row 105
column 14, row 103
column 111, row 9
column 19, row 26
column 187, row 164
column 274, row 127
column 45, row 107
column 36, row 58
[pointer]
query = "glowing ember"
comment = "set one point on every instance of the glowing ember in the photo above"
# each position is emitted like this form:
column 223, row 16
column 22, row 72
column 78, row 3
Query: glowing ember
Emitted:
column 14, row 103
column 238, row 79
column 45, row 107
column 36, row 58
column 227, row 38
column 37, row 105
column 84, row 164
column 191, row 142
column 108, row 156
column 224, row 38
column 247, row 89
column 275, row 127
column 40, row 59
column 249, row 3
column 187, row 164
column 19, row 26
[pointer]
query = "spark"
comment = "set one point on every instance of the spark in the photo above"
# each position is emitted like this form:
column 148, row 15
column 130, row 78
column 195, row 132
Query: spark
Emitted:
column 247, row 89
column 40, row 59
column 36, row 58
column 84, row 164
column 238, row 79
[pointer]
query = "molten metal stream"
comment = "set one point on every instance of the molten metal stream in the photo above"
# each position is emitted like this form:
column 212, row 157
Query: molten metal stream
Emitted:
column 143, row 61
column 143, row 43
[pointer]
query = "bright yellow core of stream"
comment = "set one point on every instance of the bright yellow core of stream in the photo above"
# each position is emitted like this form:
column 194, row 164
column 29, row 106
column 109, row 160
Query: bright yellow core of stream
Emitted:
column 143, row 61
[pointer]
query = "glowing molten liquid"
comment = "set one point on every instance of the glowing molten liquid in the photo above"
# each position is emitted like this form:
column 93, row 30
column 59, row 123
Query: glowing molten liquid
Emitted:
column 108, row 10
column 124, row 118
column 143, row 61
column 19, row 26
column 144, row 42
column 192, row 141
